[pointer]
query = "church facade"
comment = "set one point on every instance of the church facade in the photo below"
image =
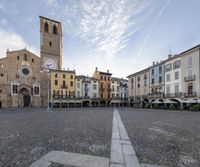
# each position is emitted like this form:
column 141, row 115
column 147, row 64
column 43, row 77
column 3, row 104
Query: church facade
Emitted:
column 24, row 75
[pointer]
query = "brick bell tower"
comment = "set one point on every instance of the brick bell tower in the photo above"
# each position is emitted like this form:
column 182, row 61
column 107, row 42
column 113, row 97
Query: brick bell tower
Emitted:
column 50, row 43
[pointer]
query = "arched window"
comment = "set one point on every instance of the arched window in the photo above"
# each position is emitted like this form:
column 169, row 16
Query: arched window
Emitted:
column 54, row 29
column 46, row 27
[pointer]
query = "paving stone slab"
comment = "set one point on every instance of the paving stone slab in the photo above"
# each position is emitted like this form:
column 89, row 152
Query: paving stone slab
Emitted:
column 75, row 159
column 41, row 163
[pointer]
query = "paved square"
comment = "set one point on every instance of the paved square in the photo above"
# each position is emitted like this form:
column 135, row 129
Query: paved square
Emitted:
column 158, row 137
column 162, row 137
column 26, row 136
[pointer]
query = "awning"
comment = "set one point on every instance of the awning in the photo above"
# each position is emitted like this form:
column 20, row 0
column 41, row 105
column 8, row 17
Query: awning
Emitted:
column 157, row 102
column 190, row 101
column 167, row 101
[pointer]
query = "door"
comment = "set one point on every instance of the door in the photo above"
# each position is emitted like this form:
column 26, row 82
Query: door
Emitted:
column 27, row 100
column 190, row 88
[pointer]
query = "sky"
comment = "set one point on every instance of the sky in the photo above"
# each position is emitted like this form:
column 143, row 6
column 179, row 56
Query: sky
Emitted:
column 124, row 36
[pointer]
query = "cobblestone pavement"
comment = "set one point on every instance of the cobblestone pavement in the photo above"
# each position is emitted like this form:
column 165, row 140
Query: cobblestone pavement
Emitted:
column 168, row 138
column 27, row 135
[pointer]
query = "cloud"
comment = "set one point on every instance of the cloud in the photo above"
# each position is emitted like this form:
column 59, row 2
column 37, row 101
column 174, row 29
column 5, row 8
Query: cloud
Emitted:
column 12, row 41
column 152, row 27
column 105, row 25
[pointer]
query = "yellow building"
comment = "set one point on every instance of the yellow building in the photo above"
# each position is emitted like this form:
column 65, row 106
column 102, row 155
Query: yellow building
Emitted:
column 63, row 87
column 104, row 86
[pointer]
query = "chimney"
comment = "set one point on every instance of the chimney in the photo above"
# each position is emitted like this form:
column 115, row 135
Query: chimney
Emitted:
column 7, row 50
column 153, row 62
column 169, row 55
column 96, row 69
column 157, row 62
column 107, row 71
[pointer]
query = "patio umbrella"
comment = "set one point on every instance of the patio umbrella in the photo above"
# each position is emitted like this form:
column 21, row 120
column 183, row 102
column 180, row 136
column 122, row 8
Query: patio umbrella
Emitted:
column 157, row 102
column 169, row 102
column 190, row 101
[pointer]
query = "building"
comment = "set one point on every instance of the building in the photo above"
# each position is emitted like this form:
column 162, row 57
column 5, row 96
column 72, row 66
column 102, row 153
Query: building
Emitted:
column 190, row 75
column 157, row 80
column 119, row 92
column 104, row 79
column 63, row 88
column 20, row 79
column 173, row 81
column 138, row 87
column 87, row 89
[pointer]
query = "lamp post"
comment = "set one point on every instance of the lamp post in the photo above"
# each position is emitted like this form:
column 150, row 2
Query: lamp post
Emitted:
column 48, row 73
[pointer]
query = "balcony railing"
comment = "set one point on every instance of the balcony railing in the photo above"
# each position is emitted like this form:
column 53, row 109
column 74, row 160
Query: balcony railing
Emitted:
column 169, row 95
column 86, row 89
column 64, row 86
column 189, row 78
column 155, row 95
column 190, row 94
column 109, row 90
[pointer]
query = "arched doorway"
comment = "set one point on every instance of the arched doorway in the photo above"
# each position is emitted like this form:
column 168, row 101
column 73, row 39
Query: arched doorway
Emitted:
column 25, row 97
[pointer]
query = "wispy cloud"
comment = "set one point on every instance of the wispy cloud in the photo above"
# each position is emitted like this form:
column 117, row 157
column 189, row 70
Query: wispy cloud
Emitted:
column 152, row 27
column 105, row 25
column 13, row 41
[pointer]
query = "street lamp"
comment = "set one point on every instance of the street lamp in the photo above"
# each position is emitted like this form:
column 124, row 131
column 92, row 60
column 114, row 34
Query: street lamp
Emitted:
column 48, row 85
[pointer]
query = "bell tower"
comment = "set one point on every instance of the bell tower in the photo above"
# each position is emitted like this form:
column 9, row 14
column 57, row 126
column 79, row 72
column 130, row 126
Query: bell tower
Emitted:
column 50, row 43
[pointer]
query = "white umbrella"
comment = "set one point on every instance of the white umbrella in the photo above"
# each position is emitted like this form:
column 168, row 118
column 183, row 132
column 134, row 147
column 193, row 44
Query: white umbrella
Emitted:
column 169, row 102
column 190, row 101
column 157, row 102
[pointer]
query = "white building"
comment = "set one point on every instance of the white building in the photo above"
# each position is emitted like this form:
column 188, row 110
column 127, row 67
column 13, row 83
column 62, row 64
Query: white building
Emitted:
column 190, row 73
column 119, row 91
column 173, row 83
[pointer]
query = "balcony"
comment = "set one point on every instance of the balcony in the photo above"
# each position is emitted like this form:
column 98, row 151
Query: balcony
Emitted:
column 170, row 95
column 86, row 89
column 64, row 86
column 155, row 95
column 190, row 94
column 109, row 90
column 189, row 78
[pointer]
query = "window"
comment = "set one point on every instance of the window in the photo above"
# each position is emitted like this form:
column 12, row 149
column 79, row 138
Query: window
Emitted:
column 113, row 88
column 17, row 57
column 63, row 75
column 177, row 64
column 145, row 82
column 108, row 78
column 14, row 89
column 36, row 90
column 104, row 78
column 138, row 85
column 102, row 95
column 46, row 27
column 145, row 76
column 113, row 95
column 189, row 61
column 176, row 88
column 189, row 72
column 71, row 76
column 2, row 75
column 160, row 69
column 101, row 85
column 95, row 86
column 54, row 29
column 56, row 82
column 56, row 75
column 32, row 60
column 168, row 67
column 78, row 93
column 176, row 75
column 131, row 83
column 101, row 77
column 94, row 95
column 138, row 78
column 64, row 84
column 25, row 57
column 152, row 71
column 160, row 79
column 71, row 83
column 168, row 77
column 152, row 81
column 117, row 88
column 50, row 43
column 0, row 90
column 168, row 89
column 78, row 85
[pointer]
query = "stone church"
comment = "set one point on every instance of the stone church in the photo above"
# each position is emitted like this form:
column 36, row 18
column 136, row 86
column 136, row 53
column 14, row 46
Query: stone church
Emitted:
column 24, row 75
